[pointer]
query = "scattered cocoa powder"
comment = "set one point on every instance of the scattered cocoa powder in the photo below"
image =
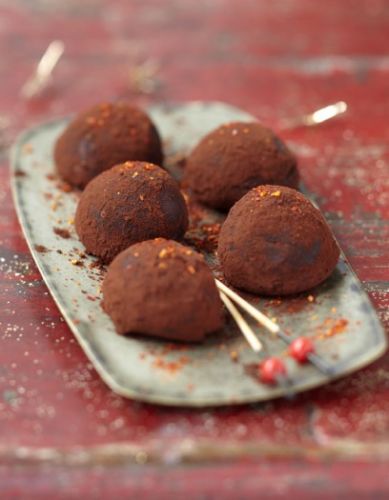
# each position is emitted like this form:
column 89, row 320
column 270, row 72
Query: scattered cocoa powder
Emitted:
column 63, row 233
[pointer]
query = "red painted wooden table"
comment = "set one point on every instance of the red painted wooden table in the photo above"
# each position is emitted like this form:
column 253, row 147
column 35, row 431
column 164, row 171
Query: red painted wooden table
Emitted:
column 63, row 433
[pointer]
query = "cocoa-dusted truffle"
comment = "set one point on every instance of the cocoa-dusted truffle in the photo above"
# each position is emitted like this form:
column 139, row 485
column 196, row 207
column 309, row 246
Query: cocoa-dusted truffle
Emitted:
column 275, row 242
column 103, row 136
column 163, row 289
column 233, row 159
column 131, row 202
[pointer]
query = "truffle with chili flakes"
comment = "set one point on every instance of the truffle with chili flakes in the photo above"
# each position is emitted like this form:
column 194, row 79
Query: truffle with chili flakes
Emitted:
column 131, row 202
column 103, row 136
column 275, row 242
column 173, row 292
column 233, row 159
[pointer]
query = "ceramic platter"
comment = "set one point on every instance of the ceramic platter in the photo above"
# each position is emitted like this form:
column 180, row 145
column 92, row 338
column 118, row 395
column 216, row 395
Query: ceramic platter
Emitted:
column 338, row 314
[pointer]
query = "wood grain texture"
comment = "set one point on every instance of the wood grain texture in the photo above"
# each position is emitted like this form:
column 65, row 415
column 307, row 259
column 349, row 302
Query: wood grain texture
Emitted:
column 276, row 59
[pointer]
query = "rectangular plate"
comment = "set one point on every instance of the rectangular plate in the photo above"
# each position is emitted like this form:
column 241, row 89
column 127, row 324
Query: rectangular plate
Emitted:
column 220, row 371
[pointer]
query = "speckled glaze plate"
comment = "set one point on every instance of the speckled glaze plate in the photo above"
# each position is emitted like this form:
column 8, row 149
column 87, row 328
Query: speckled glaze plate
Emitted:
column 338, row 314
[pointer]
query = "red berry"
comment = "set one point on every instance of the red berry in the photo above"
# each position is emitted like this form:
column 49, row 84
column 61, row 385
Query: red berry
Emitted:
column 300, row 348
column 271, row 369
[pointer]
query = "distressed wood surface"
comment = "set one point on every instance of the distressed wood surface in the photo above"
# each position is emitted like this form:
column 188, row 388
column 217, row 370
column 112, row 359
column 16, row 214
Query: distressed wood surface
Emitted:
column 66, row 432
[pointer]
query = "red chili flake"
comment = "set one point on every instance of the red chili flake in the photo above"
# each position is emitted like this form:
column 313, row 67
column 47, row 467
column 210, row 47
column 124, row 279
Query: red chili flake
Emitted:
column 234, row 356
column 27, row 149
column 55, row 204
column 339, row 327
column 64, row 186
column 163, row 253
column 271, row 369
column 331, row 327
column 300, row 348
column 171, row 366
column 191, row 270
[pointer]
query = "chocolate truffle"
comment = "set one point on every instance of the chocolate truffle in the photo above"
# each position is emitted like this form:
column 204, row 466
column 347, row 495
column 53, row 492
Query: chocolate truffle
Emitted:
column 103, row 136
column 233, row 159
column 131, row 202
column 275, row 242
column 163, row 289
